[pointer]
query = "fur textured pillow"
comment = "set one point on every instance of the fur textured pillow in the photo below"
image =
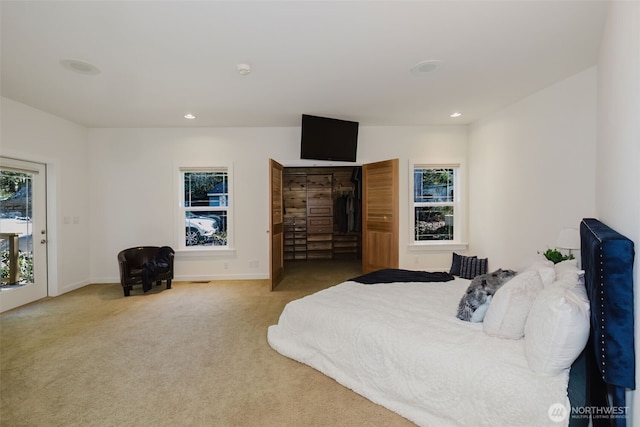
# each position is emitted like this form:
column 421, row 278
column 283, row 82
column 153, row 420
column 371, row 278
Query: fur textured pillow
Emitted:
column 510, row 306
column 479, row 292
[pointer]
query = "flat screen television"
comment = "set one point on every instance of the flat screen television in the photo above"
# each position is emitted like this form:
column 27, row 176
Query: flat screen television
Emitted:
column 324, row 138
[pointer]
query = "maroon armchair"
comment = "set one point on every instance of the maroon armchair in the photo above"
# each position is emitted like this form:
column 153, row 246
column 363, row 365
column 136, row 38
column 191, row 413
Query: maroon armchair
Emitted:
column 145, row 264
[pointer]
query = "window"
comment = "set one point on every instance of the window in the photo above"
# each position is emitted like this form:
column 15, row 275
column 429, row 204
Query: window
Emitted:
column 436, row 212
column 205, row 204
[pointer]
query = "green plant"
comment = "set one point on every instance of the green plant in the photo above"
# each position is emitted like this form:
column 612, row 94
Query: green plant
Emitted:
column 556, row 256
column 25, row 265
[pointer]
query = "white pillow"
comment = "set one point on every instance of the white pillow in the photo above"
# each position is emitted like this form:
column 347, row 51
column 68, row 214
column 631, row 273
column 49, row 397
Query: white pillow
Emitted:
column 510, row 306
column 567, row 268
column 557, row 329
column 567, row 264
column 546, row 269
column 569, row 279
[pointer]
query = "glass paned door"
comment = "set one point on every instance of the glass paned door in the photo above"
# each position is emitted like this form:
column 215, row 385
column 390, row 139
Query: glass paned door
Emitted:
column 23, row 232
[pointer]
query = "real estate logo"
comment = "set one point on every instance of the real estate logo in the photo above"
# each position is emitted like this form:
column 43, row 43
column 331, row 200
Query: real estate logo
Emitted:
column 557, row 412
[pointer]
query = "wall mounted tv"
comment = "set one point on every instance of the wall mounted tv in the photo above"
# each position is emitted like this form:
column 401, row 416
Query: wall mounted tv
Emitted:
column 328, row 139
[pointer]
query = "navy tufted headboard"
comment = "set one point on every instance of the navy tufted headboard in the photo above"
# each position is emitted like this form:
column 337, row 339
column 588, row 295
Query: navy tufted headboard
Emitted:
column 607, row 258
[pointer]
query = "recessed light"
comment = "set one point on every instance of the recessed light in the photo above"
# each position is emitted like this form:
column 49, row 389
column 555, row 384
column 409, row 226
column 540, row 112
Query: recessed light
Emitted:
column 425, row 66
column 79, row 66
column 189, row 116
column 456, row 114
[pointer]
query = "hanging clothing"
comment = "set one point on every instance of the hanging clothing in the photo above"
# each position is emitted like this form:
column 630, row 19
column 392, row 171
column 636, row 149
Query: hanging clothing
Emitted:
column 346, row 210
column 350, row 211
column 356, row 178
column 339, row 214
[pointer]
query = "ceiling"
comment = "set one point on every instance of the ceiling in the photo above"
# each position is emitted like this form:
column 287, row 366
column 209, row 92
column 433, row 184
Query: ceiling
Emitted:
column 351, row 60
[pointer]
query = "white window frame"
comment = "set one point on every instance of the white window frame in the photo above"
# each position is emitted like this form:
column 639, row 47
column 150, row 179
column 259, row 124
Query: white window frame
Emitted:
column 181, row 209
column 459, row 208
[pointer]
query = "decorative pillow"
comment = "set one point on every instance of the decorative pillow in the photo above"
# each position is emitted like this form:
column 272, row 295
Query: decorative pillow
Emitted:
column 507, row 314
column 479, row 293
column 569, row 279
column 456, row 264
column 545, row 268
column 472, row 267
column 478, row 315
column 567, row 268
column 557, row 329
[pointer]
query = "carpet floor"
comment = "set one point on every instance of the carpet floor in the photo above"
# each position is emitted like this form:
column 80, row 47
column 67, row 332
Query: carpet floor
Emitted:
column 194, row 355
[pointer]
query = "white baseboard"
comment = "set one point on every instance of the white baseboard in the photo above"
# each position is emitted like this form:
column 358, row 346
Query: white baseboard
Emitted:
column 72, row 287
column 244, row 276
column 189, row 278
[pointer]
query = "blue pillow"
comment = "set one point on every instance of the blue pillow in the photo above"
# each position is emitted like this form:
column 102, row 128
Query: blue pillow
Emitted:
column 478, row 315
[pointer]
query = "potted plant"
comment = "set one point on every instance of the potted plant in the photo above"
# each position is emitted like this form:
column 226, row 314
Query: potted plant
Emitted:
column 556, row 256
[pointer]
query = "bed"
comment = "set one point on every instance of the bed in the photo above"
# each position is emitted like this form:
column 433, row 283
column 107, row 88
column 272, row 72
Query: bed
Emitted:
column 400, row 344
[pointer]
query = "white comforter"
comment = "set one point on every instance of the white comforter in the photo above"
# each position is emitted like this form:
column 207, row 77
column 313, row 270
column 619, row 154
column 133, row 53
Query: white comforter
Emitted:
column 401, row 346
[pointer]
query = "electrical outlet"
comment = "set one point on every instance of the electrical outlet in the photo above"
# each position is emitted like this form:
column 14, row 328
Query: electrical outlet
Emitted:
column 226, row 265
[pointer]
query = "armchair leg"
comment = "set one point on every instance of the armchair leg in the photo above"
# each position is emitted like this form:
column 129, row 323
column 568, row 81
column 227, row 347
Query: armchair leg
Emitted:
column 168, row 283
column 127, row 290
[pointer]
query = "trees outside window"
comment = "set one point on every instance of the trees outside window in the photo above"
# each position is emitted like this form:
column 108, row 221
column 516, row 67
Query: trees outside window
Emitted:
column 435, row 203
column 205, row 202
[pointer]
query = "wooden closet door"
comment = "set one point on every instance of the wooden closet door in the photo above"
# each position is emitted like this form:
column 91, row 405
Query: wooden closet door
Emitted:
column 380, row 205
column 276, row 224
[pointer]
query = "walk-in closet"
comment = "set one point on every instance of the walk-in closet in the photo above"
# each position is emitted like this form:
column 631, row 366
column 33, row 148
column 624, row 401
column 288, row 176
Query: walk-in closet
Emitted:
column 322, row 213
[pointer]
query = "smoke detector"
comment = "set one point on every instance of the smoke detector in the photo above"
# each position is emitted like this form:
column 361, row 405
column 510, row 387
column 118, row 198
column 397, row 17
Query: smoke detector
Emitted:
column 426, row 66
column 244, row 69
column 79, row 66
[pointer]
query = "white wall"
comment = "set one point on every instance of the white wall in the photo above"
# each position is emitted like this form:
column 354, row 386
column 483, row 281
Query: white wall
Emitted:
column 136, row 172
column 618, row 146
column 133, row 175
column 533, row 171
column 30, row 134
column 445, row 144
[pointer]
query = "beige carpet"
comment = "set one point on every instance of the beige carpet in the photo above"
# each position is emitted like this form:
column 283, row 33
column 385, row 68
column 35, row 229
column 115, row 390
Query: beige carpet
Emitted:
column 195, row 355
